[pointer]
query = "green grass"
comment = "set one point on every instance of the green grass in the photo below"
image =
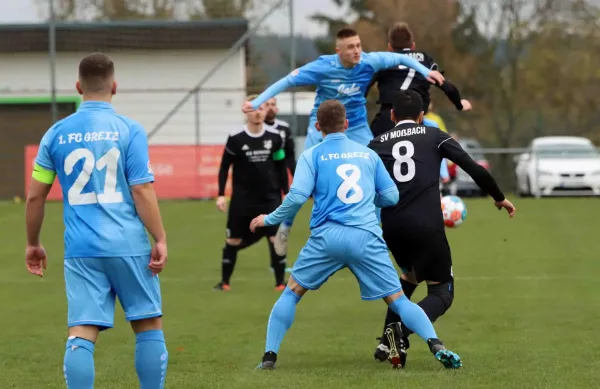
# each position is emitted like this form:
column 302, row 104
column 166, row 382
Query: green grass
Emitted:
column 524, row 314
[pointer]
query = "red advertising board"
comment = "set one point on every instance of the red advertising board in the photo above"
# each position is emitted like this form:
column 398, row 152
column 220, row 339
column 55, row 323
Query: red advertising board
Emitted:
column 181, row 172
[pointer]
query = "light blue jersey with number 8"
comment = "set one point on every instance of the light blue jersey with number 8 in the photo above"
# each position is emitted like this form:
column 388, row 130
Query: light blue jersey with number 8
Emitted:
column 97, row 155
column 344, row 178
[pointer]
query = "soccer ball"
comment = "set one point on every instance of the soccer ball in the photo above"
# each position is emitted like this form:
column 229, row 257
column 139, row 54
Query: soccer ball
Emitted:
column 454, row 211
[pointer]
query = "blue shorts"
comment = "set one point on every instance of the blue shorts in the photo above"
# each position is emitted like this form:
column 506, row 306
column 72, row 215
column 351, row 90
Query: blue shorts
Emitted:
column 361, row 134
column 332, row 247
column 94, row 283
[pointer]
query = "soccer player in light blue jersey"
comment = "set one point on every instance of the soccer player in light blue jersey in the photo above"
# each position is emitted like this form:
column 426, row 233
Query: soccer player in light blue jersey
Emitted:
column 347, row 180
column 101, row 160
column 344, row 76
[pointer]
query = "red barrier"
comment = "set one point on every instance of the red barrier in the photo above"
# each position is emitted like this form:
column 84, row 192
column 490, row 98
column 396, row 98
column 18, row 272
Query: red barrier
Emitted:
column 181, row 172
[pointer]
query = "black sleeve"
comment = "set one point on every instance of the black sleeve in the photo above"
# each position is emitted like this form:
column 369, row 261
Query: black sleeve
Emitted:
column 290, row 151
column 451, row 150
column 226, row 162
column 371, row 83
column 282, row 173
column 451, row 91
column 281, row 166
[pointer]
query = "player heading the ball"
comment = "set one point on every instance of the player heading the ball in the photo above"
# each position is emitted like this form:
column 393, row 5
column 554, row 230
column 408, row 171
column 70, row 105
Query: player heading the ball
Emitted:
column 347, row 181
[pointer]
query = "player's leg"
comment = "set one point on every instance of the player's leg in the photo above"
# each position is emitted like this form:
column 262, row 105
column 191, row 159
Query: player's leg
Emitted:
column 280, row 320
column 311, row 270
column 91, row 306
column 401, row 243
column 238, row 238
column 378, row 278
column 140, row 296
column 435, row 266
column 278, row 263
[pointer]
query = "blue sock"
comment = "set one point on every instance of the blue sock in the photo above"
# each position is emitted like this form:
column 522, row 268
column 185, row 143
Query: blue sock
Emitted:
column 413, row 317
column 281, row 319
column 288, row 223
column 79, row 363
column 151, row 358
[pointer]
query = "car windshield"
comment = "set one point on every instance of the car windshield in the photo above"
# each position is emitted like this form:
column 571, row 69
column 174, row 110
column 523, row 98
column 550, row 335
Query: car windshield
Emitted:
column 566, row 151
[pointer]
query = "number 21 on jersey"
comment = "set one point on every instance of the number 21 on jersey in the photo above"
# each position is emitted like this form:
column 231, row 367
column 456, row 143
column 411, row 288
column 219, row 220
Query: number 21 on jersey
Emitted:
column 109, row 161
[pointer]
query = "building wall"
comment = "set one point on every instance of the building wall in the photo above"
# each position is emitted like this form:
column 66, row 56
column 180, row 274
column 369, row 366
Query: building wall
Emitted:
column 150, row 84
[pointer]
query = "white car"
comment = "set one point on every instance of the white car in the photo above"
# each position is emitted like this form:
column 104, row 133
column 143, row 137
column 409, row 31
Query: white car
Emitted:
column 559, row 166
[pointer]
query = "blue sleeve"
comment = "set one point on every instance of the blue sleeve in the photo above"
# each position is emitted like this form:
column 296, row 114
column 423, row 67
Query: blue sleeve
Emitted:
column 287, row 210
column 43, row 157
column 138, row 169
column 304, row 177
column 385, row 60
column 309, row 74
column 386, row 190
column 383, row 180
column 444, row 170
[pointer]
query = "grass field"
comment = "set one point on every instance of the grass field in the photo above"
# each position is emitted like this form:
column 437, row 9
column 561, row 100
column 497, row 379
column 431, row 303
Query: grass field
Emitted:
column 525, row 313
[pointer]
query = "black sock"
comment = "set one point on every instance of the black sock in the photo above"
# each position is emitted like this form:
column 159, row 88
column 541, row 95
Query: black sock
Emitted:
column 436, row 303
column 408, row 288
column 278, row 263
column 228, row 264
column 391, row 317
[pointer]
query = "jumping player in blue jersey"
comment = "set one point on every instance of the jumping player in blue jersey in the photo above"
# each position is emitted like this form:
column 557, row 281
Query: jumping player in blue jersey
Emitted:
column 347, row 181
column 344, row 76
column 101, row 160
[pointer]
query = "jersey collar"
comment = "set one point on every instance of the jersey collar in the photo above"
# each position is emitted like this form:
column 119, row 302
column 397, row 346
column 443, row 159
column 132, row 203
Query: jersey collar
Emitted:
column 405, row 122
column 89, row 105
column 255, row 135
column 336, row 135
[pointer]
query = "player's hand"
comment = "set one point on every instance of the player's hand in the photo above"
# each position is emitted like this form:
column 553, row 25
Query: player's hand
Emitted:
column 35, row 260
column 247, row 107
column 221, row 203
column 257, row 222
column 445, row 180
column 158, row 257
column 436, row 77
column 510, row 208
column 466, row 105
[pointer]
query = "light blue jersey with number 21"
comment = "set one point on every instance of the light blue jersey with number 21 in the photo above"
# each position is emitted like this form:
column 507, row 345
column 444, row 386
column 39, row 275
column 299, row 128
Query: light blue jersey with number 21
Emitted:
column 97, row 155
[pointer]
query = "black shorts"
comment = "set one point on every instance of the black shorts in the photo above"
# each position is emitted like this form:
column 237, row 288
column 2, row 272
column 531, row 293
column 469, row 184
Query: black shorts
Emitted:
column 424, row 250
column 382, row 122
column 240, row 216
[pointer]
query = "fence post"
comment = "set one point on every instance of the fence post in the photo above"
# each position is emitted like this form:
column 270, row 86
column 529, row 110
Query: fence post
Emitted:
column 52, row 59
column 294, row 124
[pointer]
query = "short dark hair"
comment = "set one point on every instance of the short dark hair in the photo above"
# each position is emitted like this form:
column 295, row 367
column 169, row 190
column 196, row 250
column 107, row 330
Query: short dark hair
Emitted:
column 331, row 116
column 400, row 37
column 408, row 105
column 96, row 72
column 346, row 32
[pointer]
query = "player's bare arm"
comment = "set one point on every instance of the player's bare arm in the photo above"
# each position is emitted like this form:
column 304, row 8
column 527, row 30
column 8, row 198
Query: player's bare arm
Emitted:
column 35, row 255
column 146, row 204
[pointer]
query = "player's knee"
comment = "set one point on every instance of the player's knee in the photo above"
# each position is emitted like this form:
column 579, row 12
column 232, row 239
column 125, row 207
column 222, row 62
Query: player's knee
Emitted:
column 295, row 287
column 409, row 276
column 149, row 324
column 444, row 291
column 84, row 332
column 233, row 241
